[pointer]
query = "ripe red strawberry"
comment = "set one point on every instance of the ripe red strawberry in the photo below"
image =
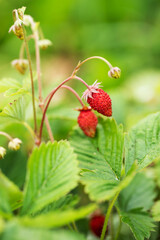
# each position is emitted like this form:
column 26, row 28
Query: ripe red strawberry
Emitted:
column 101, row 102
column 87, row 121
column 98, row 100
column 96, row 224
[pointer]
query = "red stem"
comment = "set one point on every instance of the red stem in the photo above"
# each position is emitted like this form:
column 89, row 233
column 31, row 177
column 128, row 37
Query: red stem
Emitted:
column 51, row 94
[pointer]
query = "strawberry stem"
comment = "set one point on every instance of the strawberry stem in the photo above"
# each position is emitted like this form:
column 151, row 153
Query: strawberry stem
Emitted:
column 87, row 59
column 107, row 216
column 51, row 94
column 6, row 135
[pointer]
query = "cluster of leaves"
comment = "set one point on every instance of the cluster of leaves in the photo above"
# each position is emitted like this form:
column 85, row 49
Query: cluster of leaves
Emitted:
column 109, row 164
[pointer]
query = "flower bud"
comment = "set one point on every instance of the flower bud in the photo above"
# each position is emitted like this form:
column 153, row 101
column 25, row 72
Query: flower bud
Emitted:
column 14, row 144
column 2, row 152
column 17, row 29
column 20, row 64
column 21, row 12
column 114, row 72
column 44, row 43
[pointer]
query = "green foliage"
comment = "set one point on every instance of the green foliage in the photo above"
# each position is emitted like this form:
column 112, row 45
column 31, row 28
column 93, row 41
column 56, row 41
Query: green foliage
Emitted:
column 101, row 160
column 52, row 173
column 57, row 218
column 14, row 231
column 5, row 209
column 133, row 203
column 14, row 195
column 9, row 84
column 143, row 142
column 15, row 110
column 156, row 211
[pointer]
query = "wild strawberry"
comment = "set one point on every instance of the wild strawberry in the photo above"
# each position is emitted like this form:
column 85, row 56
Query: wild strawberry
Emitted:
column 96, row 224
column 98, row 100
column 87, row 121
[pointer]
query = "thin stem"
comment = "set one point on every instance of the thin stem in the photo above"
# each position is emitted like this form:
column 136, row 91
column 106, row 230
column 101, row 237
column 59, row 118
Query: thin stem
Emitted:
column 41, row 105
column 87, row 59
column 21, row 53
column 66, row 80
column 107, row 216
column 32, row 83
column 29, row 129
column 111, row 225
column 6, row 135
column 119, row 230
column 50, row 98
column 75, row 227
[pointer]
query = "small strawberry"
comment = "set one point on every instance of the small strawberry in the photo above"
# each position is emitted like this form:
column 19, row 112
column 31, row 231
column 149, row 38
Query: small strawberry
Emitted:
column 96, row 224
column 98, row 100
column 87, row 121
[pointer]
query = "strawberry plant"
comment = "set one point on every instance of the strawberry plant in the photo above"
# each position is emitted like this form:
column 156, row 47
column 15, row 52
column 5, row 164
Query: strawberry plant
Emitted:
column 99, row 178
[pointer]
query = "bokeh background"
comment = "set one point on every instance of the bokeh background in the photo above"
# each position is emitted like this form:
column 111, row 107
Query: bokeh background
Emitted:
column 125, row 32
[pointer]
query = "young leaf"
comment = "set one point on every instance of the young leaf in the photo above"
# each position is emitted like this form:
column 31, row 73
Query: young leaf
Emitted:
column 13, row 193
column 57, row 218
column 133, row 201
column 101, row 160
column 15, row 110
column 143, row 142
column 52, row 173
column 156, row 211
column 13, row 231
column 5, row 208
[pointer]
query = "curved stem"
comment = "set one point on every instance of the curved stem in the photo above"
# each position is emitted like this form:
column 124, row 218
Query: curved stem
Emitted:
column 107, row 216
column 6, row 135
column 29, row 129
column 66, row 80
column 50, row 98
column 87, row 59
column 32, row 83
column 21, row 53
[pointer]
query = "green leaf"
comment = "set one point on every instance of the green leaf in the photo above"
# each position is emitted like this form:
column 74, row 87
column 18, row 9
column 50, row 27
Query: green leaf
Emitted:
column 14, row 195
column 52, row 173
column 9, row 83
column 156, row 211
column 143, row 142
column 140, row 223
column 5, row 208
column 133, row 201
column 57, row 218
column 63, row 203
column 101, row 160
column 140, row 193
column 15, row 110
column 14, row 166
column 13, row 231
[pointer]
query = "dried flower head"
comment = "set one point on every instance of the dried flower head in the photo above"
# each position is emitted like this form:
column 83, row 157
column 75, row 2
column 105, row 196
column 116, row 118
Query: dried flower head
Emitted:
column 2, row 152
column 14, row 144
column 44, row 43
column 114, row 72
column 20, row 65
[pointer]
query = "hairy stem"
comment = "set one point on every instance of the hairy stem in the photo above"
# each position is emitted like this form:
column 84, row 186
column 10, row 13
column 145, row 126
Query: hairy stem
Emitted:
column 41, row 105
column 107, row 216
column 32, row 83
column 51, row 94
column 6, row 135
column 87, row 59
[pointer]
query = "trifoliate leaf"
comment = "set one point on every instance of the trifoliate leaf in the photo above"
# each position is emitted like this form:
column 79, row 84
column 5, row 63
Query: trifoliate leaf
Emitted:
column 52, row 173
column 101, row 160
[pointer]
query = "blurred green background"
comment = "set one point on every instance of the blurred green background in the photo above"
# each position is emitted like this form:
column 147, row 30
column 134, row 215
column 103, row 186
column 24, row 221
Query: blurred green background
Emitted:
column 125, row 32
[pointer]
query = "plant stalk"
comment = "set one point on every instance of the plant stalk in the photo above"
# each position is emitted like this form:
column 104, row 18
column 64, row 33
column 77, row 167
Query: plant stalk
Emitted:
column 107, row 216
column 6, row 135
column 51, row 94
column 32, row 83
column 41, row 105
